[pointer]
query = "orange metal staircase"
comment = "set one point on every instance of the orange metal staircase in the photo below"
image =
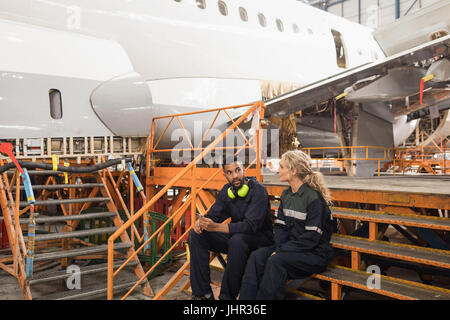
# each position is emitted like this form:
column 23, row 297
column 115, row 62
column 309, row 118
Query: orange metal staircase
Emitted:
column 55, row 241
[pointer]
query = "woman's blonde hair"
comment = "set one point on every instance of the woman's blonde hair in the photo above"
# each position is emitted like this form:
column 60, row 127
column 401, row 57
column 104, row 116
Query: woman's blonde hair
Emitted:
column 301, row 162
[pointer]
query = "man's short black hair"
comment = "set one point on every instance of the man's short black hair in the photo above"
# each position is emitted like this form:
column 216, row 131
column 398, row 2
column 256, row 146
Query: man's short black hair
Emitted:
column 230, row 160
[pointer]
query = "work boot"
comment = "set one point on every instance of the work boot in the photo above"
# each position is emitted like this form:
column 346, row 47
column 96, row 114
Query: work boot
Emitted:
column 203, row 297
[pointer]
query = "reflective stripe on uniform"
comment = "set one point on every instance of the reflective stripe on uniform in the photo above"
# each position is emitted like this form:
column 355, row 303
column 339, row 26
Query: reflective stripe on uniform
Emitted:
column 280, row 222
column 316, row 229
column 294, row 214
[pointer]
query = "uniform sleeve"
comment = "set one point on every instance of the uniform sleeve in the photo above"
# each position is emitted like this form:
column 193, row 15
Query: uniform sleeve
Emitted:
column 218, row 212
column 310, row 238
column 281, row 234
column 254, row 215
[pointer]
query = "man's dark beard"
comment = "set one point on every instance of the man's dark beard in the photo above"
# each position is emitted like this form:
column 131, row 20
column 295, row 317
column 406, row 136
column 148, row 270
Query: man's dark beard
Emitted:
column 242, row 181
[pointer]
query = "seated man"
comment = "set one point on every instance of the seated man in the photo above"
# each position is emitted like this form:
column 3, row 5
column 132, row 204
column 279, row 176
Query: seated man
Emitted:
column 246, row 202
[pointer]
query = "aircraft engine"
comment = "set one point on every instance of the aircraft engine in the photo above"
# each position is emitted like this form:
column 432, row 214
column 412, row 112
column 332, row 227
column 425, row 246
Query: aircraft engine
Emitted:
column 124, row 105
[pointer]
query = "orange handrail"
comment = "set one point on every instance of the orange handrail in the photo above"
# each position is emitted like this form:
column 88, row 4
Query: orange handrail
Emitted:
column 422, row 156
column 352, row 154
column 191, row 166
column 192, row 148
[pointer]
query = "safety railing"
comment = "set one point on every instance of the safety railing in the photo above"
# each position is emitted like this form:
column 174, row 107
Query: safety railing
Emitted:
column 351, row 154
column 152, row 145
column 114, row 185
column 431, row 159
column 193, row 200
column 76, row 149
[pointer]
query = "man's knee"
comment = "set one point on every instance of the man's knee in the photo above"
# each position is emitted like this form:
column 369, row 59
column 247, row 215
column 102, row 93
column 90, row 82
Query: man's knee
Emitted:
column 260, row 255
column 238, row 243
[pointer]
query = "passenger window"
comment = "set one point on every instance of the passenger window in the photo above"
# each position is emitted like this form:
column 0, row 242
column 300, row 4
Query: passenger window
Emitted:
column 262, row 19
column 223, row 8
column 295, row 28
column 280, row 26
column 55, row 104
column 201, row 4
column 243, row 14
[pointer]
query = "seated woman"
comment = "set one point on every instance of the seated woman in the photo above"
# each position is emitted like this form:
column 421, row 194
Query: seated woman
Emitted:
column 302, row 231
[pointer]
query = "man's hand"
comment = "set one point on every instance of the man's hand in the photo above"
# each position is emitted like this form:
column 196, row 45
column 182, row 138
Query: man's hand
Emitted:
column 208, row 225
column 197, row 228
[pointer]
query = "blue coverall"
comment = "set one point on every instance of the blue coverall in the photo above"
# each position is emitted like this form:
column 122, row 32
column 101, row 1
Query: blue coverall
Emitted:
column 303, row 229
column 250, row 228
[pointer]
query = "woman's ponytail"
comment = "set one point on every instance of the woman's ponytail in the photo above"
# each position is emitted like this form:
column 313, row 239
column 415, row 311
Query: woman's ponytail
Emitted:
column 301, row 162
column 315, row 180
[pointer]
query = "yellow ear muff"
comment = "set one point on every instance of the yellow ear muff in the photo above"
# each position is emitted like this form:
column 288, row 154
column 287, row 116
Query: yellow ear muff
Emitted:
column 230, row 193
column 243, row 191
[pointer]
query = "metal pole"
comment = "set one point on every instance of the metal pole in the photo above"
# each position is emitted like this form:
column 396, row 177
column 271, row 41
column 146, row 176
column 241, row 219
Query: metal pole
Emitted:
column 359, row 11
column 409, row 9
column 351, row 156
column 444, row 145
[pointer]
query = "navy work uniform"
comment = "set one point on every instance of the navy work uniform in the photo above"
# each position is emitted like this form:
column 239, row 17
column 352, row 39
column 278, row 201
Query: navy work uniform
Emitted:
column 303, row 228
column 250, row 228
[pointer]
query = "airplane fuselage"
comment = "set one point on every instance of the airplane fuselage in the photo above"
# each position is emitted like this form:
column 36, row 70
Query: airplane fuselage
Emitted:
column 119, row 63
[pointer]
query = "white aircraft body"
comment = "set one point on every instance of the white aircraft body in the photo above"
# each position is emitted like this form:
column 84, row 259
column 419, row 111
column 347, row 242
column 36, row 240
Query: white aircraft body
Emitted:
column 80, row 68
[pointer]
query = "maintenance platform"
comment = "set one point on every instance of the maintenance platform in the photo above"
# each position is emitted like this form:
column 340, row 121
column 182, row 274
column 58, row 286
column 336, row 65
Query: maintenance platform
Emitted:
column 127, row 234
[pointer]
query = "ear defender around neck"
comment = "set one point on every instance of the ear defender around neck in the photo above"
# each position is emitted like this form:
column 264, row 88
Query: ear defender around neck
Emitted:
column 242, row 192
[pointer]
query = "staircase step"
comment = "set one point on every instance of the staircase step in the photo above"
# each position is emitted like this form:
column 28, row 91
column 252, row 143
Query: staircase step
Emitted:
column 72, row 234
column 36, row 172
column 433, row 257
column 78, row 252
column 391, row 287
column 63, row 186
column 53, row 219
column 61, row 275
column 420, row 221
column 64, row 201
column 83, row 216
column 88, row 292
column 43, row 172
